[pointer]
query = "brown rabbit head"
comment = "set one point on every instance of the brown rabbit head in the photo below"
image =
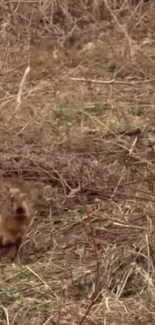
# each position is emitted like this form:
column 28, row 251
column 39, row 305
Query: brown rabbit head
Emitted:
column 18, row 205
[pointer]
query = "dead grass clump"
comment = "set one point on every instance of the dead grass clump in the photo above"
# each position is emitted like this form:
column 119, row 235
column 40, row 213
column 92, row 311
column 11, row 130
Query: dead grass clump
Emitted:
column 67, row 22
column 92, row 247
column 73, row 137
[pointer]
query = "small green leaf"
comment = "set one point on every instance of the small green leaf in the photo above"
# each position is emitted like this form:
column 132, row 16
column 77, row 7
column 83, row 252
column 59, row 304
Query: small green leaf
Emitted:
column 112, row 67
column 94, row 110
column 139, row 111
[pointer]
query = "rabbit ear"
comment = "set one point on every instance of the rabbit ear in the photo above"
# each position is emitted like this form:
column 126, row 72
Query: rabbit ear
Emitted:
column 13, row 191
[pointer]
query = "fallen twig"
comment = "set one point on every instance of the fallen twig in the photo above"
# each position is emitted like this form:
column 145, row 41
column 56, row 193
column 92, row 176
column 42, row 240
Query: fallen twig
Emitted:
column 113, row 81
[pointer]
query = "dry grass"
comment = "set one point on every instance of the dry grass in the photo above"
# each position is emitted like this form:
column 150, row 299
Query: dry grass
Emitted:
column 77, row 134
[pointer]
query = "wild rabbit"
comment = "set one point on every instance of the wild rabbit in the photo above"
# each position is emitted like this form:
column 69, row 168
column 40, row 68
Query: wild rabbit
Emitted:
column 16, row 222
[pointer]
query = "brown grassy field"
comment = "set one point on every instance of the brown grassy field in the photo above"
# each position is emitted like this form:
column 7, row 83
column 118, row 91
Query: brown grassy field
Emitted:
column 77, row 134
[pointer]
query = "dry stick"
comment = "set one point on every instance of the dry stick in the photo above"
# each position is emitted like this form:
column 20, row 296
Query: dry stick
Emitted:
column 133, row 14
column 124, row 282
column 113, row 81
column 121, row 27
column 74, row 293
column 133, row 145
column 48, row 320
column 19, row 95
column 126, row 226
column 118, row 184
column 95, row 251
column 93, row 299
column 5, row 311
column 20, row 91
column 41, row 280
column 124, row 169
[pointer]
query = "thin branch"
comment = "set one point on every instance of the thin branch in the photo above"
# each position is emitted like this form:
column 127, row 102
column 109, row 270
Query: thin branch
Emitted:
column 19, row 95
column 5, row 311
column 113, row 81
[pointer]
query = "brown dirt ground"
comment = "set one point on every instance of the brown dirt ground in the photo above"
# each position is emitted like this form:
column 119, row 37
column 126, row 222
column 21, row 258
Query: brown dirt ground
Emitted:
column 84, row 153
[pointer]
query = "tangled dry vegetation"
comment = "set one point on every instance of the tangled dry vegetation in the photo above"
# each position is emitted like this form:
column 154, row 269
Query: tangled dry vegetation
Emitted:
column 77, row 134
